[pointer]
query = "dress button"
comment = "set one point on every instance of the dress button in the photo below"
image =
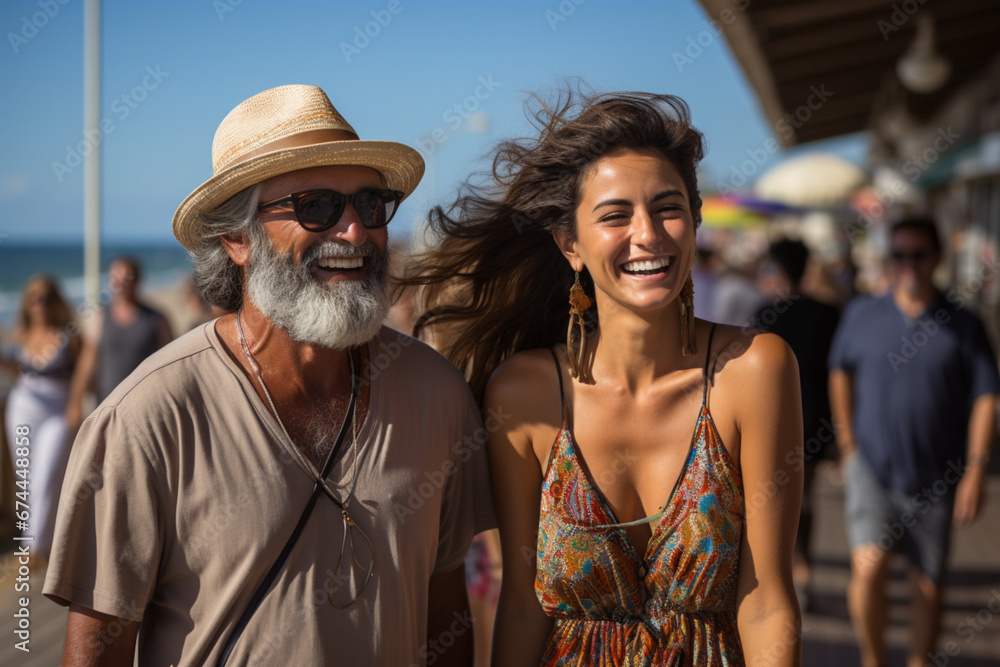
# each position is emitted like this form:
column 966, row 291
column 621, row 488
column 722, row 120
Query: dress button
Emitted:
column 642, row 572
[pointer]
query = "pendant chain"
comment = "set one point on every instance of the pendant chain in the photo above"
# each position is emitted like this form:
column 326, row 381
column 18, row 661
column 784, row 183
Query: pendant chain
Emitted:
column 255, row 367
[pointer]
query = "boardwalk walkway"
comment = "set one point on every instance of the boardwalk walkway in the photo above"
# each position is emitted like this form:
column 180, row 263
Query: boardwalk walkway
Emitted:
column 828, row 641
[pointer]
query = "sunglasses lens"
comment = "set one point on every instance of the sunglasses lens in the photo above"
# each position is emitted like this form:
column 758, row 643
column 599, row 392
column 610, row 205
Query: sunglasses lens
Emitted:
column 918, row 256
column 391, row 199
column 318, row 211
column 376, row 207
column 369, row 206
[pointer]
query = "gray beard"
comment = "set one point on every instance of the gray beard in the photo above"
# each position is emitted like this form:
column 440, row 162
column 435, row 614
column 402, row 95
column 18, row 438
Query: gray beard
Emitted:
column 338, row 315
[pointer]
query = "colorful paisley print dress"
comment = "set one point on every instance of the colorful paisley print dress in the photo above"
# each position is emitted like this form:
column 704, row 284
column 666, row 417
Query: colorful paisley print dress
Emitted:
column 673, row 605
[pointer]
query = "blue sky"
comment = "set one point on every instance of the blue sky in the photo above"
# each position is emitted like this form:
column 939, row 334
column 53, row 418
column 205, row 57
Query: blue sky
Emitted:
column 171, row 72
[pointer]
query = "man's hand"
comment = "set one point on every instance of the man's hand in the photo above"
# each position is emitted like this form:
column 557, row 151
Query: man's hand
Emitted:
column 982, row 427
column 969, row 495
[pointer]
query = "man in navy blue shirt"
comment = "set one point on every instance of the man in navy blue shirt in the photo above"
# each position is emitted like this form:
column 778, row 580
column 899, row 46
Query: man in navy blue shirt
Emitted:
column 913, row 383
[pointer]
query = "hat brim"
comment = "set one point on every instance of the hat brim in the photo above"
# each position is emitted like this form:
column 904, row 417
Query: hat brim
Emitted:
column 400, row 166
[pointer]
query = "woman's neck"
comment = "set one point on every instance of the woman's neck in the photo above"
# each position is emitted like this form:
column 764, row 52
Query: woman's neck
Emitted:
column 635, row 348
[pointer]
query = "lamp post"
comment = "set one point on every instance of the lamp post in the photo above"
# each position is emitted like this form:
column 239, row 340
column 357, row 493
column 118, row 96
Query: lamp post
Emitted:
column 92, row 159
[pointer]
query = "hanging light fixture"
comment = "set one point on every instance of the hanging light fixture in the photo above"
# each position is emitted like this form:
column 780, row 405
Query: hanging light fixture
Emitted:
column 922, row 69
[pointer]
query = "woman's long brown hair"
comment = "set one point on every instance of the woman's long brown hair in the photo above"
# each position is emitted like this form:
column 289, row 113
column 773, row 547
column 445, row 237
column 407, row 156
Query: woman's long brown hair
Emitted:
column 57, row 310
column 496, row 283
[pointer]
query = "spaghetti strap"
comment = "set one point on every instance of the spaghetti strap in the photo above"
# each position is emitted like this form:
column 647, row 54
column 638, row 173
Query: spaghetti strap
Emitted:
column 706, row 378
column 562, row 395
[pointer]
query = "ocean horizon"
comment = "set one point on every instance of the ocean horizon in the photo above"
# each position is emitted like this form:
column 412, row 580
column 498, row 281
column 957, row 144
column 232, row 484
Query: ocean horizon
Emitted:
column 163, row 264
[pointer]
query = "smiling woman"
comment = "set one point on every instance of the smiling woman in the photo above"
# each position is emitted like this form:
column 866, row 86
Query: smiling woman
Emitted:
column 619, row 493
column 503, row 248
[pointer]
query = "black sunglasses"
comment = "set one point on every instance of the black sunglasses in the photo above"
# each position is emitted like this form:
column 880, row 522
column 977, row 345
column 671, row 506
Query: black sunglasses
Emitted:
column 319, row 210
column 915, row 256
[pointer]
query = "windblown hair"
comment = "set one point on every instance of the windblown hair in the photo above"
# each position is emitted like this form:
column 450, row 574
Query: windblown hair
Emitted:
column 497, row 283
column 217, row 278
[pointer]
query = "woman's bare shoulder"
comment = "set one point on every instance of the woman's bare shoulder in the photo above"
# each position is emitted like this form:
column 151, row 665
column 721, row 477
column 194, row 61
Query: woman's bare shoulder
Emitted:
column 526, row 384
column 747, row 351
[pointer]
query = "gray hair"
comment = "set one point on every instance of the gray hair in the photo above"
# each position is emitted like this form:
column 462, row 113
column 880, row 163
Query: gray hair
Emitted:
column 217, row 278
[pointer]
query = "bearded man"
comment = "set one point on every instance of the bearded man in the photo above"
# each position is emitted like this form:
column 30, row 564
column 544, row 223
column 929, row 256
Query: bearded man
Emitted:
column 291, row 483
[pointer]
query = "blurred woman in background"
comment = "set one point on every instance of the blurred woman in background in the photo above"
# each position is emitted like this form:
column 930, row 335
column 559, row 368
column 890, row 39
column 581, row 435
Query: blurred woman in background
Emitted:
column 47, row 348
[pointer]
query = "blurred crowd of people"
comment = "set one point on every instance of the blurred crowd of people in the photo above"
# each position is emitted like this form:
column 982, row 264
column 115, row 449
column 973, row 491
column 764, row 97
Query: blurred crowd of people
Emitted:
column 943, row 410
column 58, row 361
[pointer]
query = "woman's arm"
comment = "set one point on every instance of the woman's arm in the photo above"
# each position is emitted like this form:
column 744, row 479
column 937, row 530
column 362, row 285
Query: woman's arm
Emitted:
column 9, row 364
column 770, row 425
column 522, row 628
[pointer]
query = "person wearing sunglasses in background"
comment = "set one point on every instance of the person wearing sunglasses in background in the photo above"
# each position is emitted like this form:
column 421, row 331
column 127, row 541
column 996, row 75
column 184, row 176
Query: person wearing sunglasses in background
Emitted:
column 291, row 483
column 913, row 385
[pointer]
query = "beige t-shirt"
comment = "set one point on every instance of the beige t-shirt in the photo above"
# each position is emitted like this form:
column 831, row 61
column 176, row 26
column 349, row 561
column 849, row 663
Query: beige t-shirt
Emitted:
column 182, row 491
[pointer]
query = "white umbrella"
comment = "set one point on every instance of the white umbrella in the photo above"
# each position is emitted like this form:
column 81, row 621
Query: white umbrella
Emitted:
column 813, row 180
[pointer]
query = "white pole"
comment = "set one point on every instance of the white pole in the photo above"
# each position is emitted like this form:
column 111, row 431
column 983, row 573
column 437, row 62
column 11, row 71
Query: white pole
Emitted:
column 92, row 161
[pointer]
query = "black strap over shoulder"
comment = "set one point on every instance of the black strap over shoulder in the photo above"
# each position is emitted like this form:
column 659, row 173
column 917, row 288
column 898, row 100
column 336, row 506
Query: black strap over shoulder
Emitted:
column 562, row 394
column 272, row 574
column 709, row 371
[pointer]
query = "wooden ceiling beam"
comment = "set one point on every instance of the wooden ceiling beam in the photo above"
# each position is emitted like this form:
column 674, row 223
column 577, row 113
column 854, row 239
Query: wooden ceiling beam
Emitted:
column 816, row 11
column 950, row 35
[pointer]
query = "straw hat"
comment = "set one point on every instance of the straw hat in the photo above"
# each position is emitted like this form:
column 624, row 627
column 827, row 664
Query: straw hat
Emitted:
column 281, row 130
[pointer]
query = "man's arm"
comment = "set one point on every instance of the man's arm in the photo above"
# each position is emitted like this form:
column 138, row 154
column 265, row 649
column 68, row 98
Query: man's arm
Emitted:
column 83, row 376
column 842, row 409
column 449, row 621
column 94, row 639
column 982, row 425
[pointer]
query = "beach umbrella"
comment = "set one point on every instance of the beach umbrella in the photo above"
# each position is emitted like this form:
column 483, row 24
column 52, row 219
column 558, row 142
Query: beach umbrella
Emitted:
column 813, row 180
column 755, row 204
column 719, row 212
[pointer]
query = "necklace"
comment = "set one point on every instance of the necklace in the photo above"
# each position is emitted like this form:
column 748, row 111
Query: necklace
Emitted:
column 320, row 478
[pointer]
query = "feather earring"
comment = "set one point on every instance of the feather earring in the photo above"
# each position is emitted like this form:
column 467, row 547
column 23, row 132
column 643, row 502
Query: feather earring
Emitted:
column 688, row 345
column 579, row 302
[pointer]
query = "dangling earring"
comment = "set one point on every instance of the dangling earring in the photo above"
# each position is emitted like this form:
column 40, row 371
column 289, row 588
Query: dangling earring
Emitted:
column 688, row 345
column 578, row 303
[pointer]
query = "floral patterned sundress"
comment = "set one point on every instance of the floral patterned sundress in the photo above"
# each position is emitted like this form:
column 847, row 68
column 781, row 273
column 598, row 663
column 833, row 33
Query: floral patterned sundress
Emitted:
column 673, row 605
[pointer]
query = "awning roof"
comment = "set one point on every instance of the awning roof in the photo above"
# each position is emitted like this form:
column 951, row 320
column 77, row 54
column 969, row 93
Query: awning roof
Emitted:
column 790, row 49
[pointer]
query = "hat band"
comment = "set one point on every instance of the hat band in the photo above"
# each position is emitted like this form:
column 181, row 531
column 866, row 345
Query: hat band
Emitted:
column 299, row 140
